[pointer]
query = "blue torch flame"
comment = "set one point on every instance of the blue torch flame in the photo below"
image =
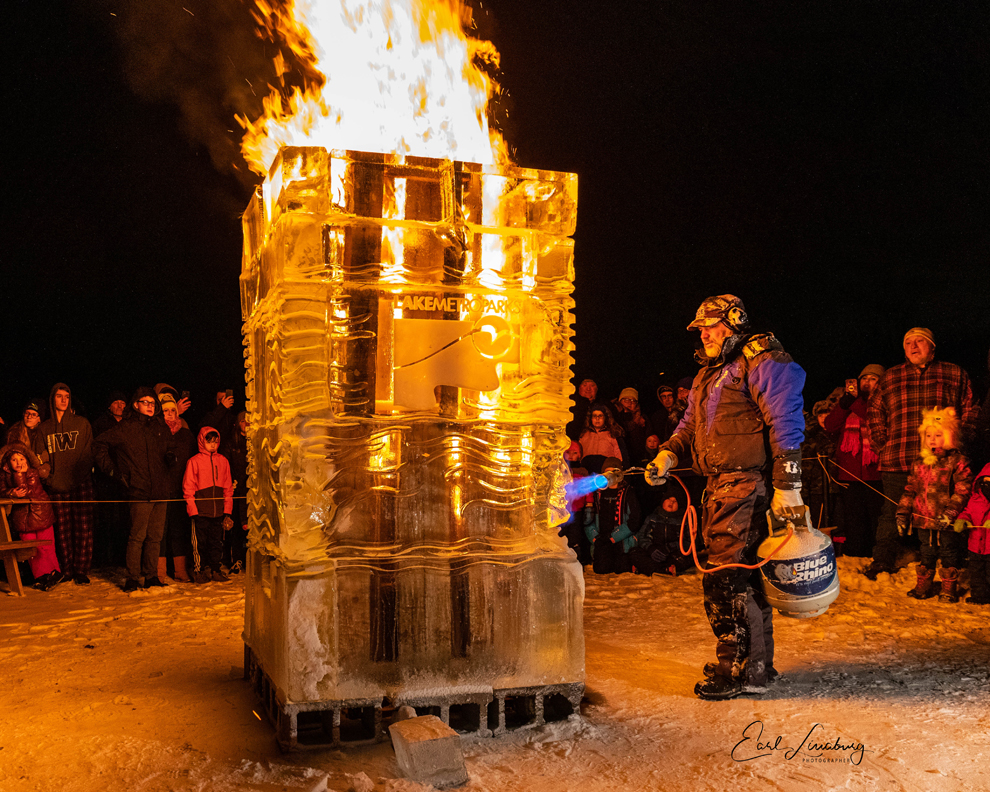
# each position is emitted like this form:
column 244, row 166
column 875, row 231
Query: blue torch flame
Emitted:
column 586, row 485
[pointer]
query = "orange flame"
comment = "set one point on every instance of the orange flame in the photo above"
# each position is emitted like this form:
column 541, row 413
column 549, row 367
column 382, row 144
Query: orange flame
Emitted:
column 382, row 75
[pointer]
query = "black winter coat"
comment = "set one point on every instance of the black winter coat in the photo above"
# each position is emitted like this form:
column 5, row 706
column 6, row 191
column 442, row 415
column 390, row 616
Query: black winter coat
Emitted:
column 139, row 453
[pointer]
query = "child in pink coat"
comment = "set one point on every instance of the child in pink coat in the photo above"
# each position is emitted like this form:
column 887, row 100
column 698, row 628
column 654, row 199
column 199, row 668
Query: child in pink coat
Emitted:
column 209, row 494
column 976, row 517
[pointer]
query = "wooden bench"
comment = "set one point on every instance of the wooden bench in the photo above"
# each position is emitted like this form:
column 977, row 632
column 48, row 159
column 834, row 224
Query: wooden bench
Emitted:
column 12, row 551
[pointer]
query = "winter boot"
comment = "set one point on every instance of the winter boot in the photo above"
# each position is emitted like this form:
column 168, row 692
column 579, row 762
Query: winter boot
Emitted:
column 162, row 567
column 950, row 578
column 718, row 688
column 876, row 568
column 711, row 670
column 925, row 588
column 180, row 570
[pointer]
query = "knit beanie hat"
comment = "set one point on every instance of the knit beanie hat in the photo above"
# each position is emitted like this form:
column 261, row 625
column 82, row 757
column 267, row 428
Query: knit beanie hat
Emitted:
column 923, row 332
column 875, row 369
column 611, row 463
column 685, row 383
column 629, row 393
column 167, row 400
column 117, row 395
column 160, row 386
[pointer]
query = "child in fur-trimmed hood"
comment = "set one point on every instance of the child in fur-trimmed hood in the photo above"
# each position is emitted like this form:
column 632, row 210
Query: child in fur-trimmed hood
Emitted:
column 936, row 491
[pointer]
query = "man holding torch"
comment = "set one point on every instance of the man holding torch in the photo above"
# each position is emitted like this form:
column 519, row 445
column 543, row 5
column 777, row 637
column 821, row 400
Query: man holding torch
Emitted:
column 746, row 399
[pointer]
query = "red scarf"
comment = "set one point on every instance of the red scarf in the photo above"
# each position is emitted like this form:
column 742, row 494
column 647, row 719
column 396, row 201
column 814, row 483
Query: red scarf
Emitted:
column 856, row 435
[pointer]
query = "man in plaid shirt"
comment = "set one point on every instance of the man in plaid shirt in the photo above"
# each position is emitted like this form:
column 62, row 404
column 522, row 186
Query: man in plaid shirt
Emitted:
column 895, row 408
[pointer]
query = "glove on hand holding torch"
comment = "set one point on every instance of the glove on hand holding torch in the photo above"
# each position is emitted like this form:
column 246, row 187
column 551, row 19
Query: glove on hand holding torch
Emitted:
column 656, row 472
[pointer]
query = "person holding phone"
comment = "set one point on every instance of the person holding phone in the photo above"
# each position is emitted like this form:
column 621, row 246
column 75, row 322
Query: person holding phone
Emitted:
column 857, row 465
column 164, row 390
column 223, row 419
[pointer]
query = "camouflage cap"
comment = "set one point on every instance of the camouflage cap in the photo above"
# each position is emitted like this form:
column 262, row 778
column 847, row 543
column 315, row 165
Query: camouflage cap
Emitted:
column 723, row 308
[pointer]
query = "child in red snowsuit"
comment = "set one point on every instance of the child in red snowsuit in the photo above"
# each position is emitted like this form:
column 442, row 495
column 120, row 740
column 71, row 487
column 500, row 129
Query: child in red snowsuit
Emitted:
column 209, row 494
column 20, row 478
column 937, row 489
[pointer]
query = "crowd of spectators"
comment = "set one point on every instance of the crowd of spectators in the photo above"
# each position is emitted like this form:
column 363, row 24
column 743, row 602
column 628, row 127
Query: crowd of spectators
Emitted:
column 133, row 488
column 863, row 443
column 137, row 488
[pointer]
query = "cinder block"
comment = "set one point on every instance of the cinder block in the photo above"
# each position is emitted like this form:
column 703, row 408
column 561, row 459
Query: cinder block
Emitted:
column 429, row 751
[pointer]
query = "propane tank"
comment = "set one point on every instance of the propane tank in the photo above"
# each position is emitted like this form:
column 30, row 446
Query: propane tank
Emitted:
column 803, row 579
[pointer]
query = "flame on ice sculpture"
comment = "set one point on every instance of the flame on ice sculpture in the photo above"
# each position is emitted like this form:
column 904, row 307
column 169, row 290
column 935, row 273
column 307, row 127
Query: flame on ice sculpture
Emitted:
column 407, row 324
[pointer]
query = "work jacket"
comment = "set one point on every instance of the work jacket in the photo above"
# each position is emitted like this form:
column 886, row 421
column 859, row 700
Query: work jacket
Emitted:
column 742, row 403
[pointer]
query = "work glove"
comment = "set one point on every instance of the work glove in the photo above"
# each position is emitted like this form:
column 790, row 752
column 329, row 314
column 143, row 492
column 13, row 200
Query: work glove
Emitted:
column 961, row 525
column 787, row 504
column 656, row 472
column 944, row 522
column 228, row 523
column 903, row 525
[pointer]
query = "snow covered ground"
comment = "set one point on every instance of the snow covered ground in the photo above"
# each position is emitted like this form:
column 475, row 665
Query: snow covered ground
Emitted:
column 107, row 691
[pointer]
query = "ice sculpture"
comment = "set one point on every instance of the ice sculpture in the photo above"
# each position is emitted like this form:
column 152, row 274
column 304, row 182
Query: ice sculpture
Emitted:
column 408, row 345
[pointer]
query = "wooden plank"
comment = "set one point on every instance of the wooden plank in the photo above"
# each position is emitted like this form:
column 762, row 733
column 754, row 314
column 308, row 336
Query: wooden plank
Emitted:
column 18, row 545
column 9, row 558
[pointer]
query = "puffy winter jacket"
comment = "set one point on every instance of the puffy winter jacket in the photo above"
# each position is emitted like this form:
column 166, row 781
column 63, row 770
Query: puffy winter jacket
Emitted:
column 747, row 397
column 25, row 517
column 206, row 485
column 936, row 491
column 627, row 530
column 600, row 443
column 977, row 514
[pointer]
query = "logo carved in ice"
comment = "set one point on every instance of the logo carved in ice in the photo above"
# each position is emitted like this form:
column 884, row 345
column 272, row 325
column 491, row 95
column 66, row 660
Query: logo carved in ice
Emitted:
column 432, row 352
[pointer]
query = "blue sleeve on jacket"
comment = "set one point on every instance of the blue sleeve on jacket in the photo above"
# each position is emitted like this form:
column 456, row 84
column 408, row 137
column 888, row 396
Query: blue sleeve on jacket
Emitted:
column 776, row 384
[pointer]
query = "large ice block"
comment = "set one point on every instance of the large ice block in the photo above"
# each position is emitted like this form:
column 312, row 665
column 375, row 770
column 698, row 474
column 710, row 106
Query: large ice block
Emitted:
column 407, row 324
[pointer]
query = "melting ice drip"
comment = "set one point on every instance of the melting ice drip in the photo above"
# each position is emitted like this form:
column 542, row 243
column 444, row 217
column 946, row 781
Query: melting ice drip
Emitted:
column 407, row 331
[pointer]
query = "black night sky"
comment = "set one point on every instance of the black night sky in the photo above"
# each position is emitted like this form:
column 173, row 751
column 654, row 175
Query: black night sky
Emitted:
column 827, row 162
